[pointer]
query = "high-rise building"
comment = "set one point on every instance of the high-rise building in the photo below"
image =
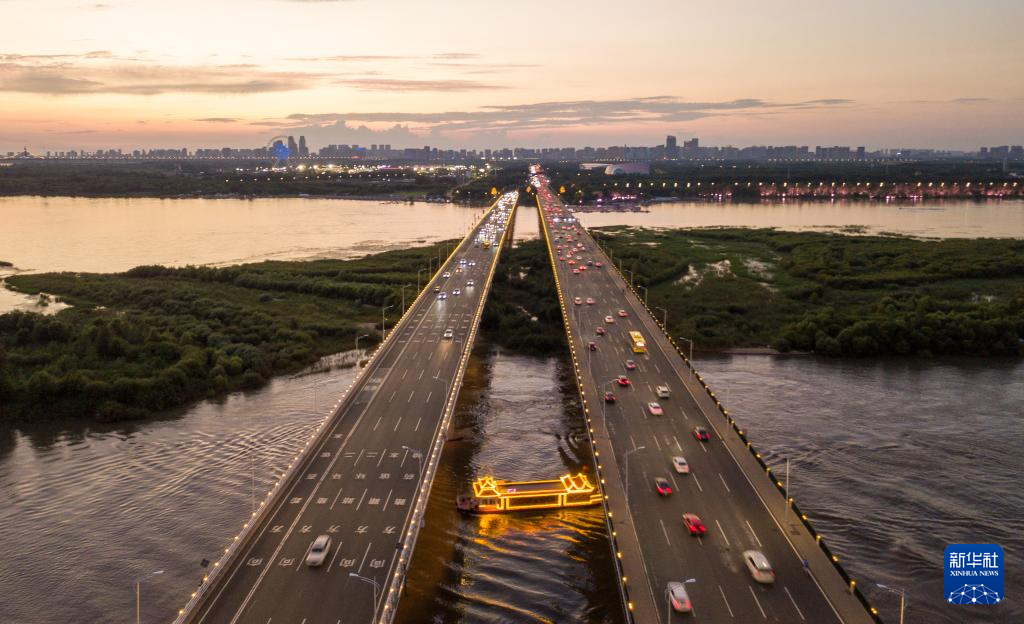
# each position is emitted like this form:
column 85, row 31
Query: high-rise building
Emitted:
column 293, row 149
column 303, row 150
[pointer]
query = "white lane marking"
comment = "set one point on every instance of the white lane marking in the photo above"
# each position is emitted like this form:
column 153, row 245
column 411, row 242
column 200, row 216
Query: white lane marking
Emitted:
column 697, row 481
column 364, row 557
column 397, row 422
column 377, row 424
column 725, row 601
column 421, row 374
column 387, row 500
column 724, row 483
column 333, row 502
column 383, row 453
column 763, row 614
column 361, row 500
column 703, row 446
column 632, row 441
column 392, row 396
column 655, row 438
column 656, row 368
column 409, row 400
column 798, row 611
column 431, row 356
column 723, row 533
column 429, row 394
column 405, row 373
column 337, row 551
column 678, row 445
column 417, row 427
column 759, row 545
column 674, row 484
column 664, row 531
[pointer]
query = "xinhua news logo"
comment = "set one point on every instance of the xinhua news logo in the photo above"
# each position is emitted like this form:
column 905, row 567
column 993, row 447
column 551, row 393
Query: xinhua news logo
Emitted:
column 974, row 574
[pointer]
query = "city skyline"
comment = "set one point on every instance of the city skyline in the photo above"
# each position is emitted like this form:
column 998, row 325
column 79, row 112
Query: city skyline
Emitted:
column 451, row 74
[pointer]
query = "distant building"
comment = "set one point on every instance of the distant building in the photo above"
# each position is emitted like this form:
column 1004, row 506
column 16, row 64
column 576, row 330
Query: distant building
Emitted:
column 627, row 168
column 293, row 148
column 303, row 150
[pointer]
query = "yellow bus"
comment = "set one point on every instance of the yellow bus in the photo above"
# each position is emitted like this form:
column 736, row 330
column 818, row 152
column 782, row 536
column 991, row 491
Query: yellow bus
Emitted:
column 639, row 344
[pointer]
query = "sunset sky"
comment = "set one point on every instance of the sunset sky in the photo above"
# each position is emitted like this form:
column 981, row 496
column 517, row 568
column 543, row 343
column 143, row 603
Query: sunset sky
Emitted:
column 463, row 73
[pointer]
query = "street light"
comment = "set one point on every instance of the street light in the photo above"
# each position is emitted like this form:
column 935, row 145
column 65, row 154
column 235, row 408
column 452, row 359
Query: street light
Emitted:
column 403, row 296
column 418, row 278
column 383, row 329
column 645, row 293
column 376, row 588
column 418, row 454
column 691, row 352
column 630, row 277
column 358, row 336
column 903, row 596
column 138, row 594
column 628, row 453
column 668, row 601
column 664, row 317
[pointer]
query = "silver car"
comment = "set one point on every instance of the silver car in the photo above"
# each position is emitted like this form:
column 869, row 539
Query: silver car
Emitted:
column 318, row 551
column 678, row 597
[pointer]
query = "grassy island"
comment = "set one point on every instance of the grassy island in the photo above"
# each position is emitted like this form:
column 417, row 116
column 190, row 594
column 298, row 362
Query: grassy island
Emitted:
column 156, row 337
column 832, row 294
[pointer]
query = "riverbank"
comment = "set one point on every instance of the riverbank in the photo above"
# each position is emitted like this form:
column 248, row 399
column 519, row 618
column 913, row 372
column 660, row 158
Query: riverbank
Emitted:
column 827, row 293
column 155, row 337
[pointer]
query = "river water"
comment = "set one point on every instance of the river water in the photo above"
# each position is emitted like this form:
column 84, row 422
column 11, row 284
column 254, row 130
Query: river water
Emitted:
column 892, row 460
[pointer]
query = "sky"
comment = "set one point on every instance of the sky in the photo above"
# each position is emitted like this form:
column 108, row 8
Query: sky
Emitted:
column 489, row 73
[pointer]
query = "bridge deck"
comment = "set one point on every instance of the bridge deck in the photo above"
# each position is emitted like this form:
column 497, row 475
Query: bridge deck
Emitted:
column 365, row 477
column 727, row 488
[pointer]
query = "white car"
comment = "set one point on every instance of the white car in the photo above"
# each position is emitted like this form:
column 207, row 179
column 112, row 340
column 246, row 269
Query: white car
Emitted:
column 609, row 319
column 456, row 292
column 446, row 274
column 758, row 566
column 472, row 263
column 678, row 597
column 577, row 301
column 442, row 295
column 318, row 551
column 449, row 334
column 681, row 465
column 655, row 409
column 663, row 392
column 470, row 284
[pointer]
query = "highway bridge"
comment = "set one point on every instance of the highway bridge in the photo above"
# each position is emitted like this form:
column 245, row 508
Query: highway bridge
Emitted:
column 364, row 476
column 739, row 504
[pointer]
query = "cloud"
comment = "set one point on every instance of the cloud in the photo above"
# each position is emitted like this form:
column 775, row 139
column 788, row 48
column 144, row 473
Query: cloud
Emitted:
column 456, row 56
column 400, row 84
column 504, row 118
column 218, row 119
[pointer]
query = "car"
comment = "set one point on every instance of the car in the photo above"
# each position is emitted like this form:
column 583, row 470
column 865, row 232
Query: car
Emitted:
column 599, row 264
column 579, row 257
column 578, row 301
column 630, row 365
column 449, row 334
column 609, row 397
column 470, row 284
column 446, row 274
column 318, row 551
column 463, row 261
column 437, row 289
column 442, row 295
column 622, row 380
column 458, row 269
column 571, row 261
column 592, row 345
column 456, row 292
column 663, row 392
column 701, row 434
column 758, row 566
column 609, row 319
column 655, row 409
column 678, row 597
column 575, row 271
column 681, row 465
column 583, row 267
column 693, row 524
column 472, row 263
column 590, row 301
column 562, row 259
column 590, row 263
column 663, row 486
column 623, row 314
column 599, row 331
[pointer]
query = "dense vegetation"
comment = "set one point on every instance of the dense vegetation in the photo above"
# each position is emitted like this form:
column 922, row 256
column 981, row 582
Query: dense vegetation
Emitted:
column 205, row 178
column 830, row 293
column 522, row 312
column 156, row 337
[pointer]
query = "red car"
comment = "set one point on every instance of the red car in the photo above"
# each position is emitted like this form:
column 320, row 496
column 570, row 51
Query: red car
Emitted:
column 622, row 380
column 599, row 331
column 693, row 524
column 575, row 271
column 701, row 434
column 623, row 314
column 599, row 264
column 609, row 397
column 663, row 486
column 630, row 365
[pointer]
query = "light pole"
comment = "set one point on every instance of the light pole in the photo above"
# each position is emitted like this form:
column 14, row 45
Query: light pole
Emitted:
column 691, row 352
column 668, row 601
column 664, row 317
column 418, row 454
column 903, row 596
column 376, row 588
column 403, row 296
column 630, row 277
column 418, row 278
column 645, row 293
column 628, row 453
column 383, row 329
column 138, row 594
column 358, row 336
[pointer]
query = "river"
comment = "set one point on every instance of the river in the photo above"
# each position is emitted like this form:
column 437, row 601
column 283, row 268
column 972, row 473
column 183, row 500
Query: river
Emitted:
column 892, row 460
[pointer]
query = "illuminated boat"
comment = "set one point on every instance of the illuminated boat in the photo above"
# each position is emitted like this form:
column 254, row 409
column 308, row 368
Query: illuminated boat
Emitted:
column 494, row 496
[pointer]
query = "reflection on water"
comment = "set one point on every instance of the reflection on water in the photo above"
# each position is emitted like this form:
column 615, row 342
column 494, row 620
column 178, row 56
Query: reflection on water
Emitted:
column 515, row 420
column 894, row 461
column 945, row 219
